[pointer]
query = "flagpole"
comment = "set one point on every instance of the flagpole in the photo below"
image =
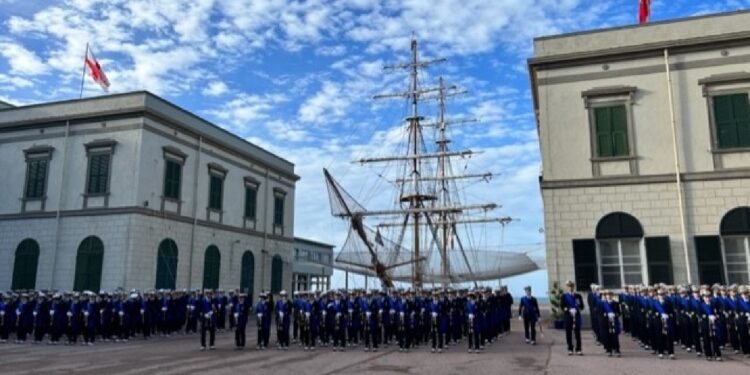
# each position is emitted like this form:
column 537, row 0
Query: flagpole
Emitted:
column 83, row 73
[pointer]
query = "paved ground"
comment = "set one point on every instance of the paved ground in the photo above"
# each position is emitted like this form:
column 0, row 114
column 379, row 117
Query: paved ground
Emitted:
column 179, row 355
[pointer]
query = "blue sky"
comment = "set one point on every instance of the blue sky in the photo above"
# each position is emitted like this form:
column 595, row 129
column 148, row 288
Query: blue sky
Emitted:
column 297, row 77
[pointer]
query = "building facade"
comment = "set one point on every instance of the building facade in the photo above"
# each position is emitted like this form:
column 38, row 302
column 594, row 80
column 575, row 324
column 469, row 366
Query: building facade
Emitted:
column 646, row 174
column 313, row 265
column 131, row 191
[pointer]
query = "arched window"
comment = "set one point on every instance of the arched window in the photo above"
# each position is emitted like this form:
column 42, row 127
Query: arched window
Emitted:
column 89, row 262
column 277, row 272
column 25, row 265
column 618, row 238
column 247, row 273
column 735, row 233
column 166, row 265
column 211, row 268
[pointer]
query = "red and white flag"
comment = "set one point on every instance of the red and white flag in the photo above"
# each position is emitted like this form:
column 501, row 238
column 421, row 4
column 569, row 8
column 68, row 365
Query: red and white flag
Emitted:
column 96, row 70
column 644, row 10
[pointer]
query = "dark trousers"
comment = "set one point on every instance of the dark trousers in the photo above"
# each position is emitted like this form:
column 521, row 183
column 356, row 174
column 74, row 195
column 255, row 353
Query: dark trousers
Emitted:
column 710, row 343
column 529, row 329
column 611, row 341
column 696, row 333
column 89, row 335
column 572, row 330
column 282, row 335
column 742, row 327
column 665, row 339
column 733, row 333
column 208, row 326
column 372, row 337
column 437, row 339
column 239, row 336
column 39, row 333
column 473, row 339
column 339, row 337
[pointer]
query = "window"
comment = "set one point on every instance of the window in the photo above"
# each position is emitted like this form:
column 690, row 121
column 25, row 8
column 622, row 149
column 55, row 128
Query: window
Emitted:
column 659, row 258
column 36, row 178
column 278, row 210
column 584, row 257
column 611, row 131
column 166, row 265
column 98, row 182
column 211, row 268
column 735, row 236
column 247, row 273
column 732, row 120
column 710, row 264
column 618, row 241
column 25, row 265
column 735, row 249
column 88, row 275
column 251, row 194
column 215, row 192
column 277, row 271
column 172, row 179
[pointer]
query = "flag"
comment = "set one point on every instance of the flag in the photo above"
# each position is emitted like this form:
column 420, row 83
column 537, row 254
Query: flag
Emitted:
column 96, row 70
column 378, row 238
column 644, row 10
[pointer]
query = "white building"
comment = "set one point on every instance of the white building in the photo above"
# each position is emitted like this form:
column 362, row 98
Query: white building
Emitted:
column 131, row 191
column 313, row 265
column 626, row 200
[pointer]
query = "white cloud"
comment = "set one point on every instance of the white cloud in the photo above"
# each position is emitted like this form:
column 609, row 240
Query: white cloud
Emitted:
column 216, row 88
column 12, row 83
column 21, row 60
column 328, row 104
column 246, row 110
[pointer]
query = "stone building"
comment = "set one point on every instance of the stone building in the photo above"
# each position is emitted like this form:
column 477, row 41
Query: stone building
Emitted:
column 640, row 186
column 313, row 265
column 131, row 191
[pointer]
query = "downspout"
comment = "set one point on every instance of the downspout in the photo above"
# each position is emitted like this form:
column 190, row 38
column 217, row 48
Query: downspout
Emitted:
column 195, row 213
column 265, row 234
column 678, row 176
column 59, row 204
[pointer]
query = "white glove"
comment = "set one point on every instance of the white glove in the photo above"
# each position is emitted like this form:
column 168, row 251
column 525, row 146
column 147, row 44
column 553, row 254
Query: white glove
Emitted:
column 236, row 315
column 163, row 309
column 219, row 305
column 611, row 315
column 307, row 314
column 367, row 314
column 121, row 313
column 260, row 316
column 520, row 317
column 471, row 316
column 434, row 315
column 401, row 314
column 101, row 311
column 18, row 312
column 207, row 315
column 69, row 314
column 351, row 311
column 422, row 310
column 229, row 305
column 2, row 312
column 142, row 311
column 51, row 312
column 86, row 314
column 712, row 318
column 281, row 314
column 338, row 315
column 35, row 313
column 573, row 311
column 380, row 311
column 191, row 307
column 664, row 316
column 324, row 313
column 393, row 311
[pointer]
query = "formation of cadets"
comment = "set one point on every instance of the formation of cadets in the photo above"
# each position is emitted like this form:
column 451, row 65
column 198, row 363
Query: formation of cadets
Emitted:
column 702, row 320
column 371, row 319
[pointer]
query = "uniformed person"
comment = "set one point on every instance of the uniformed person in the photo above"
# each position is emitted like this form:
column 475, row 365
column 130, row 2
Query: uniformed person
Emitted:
column 208, row 312
column 283, row 320
column 610, row 331
column 571, row 304
column 240, row 315
column 528, row 311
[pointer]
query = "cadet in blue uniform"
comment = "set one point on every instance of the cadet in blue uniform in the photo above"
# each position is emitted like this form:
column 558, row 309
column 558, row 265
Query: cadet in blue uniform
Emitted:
column 438, row 321
column 743, row 319
column 528, row 311
column 709, row 311
column 262, row 312
column 24, row 311
column 338, row 316
column 208, row 312
column 571, row 304
column 472, row 323
column 610, row 331
column 240, row 313
column 283, row 316
column 664, row 324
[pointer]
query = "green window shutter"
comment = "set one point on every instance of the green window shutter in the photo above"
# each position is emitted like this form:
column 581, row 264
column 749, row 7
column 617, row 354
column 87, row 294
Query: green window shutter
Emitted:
column 36, row 175
column 603, row 130
column 741, row 107
column 98, row 174
column 166, row 265
column 215, row 193
column 710, row 262
column 278, row 211
column 172, row 180
column 25, row 265
column 251, row 195
column 211, row 268
column 659, row 260
column 247, row 274
column 89, row 261
column 586, row 268
column 619, row 121
column 277, row 271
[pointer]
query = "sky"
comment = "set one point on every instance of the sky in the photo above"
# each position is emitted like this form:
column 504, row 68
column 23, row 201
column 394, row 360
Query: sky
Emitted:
column 298, row 77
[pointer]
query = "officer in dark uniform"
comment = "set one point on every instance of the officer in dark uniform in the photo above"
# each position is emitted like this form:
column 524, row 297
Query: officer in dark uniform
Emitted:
column 240, row 313
column 283, row 320
column 571, row 304
column 208, row 312
column 528, row 311
column 610, row 313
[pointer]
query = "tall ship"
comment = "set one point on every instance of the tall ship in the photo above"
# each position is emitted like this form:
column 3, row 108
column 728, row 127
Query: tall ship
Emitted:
column 430, row 233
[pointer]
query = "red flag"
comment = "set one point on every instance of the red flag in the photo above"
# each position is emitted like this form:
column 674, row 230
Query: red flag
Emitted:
column 96, row 70
column 644, row 10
